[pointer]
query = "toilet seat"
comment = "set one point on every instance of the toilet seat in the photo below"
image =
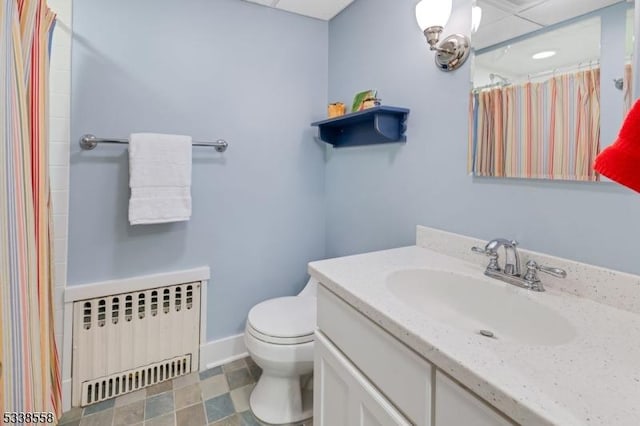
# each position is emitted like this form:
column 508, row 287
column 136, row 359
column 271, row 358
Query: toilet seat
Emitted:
column 279, row 340
column 284, row 320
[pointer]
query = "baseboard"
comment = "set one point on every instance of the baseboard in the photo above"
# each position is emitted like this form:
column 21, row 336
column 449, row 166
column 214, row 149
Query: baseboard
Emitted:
column 219, row 352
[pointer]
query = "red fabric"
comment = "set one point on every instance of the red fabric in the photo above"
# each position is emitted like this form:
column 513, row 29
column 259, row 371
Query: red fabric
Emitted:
column 621, row 161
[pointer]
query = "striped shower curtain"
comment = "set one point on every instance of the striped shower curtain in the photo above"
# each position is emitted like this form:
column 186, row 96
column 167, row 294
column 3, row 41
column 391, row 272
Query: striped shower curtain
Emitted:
column 29, row 374
column 547, row 130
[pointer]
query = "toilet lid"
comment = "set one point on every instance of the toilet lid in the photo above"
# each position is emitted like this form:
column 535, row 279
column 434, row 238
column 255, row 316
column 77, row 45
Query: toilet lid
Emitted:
column 284, row 317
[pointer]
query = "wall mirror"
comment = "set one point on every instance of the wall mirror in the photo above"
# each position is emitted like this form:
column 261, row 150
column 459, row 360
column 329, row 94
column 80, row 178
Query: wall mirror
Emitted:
column 551, row 83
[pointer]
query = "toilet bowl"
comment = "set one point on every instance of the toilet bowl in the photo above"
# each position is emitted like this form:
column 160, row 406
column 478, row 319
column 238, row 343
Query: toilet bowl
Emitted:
column 279, row 338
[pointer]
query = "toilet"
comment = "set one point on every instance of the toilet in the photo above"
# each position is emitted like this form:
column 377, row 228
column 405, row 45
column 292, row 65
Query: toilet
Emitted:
column 279, row 338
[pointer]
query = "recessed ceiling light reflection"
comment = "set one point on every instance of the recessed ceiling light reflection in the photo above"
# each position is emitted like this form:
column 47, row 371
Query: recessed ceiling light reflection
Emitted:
column 545, row 54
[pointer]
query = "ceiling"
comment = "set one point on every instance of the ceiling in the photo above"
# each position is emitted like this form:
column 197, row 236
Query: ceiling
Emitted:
column 503, row 20
column 574, row 44
column 319, row 9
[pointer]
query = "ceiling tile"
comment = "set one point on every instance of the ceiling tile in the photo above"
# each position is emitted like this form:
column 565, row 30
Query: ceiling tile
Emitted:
column 554, row 11
column 490, row 13
column 514, row 6
column 502, row 30
column 264, row 2
column 579, row 45
column 320, row 9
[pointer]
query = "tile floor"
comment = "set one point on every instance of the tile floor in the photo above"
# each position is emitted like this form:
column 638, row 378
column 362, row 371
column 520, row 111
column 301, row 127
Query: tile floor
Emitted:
column 216, row 397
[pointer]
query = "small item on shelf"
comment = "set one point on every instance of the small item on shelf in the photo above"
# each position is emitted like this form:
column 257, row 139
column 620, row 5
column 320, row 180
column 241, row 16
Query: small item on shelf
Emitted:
column 370, row 103
column 336, row 109
column 360, row 98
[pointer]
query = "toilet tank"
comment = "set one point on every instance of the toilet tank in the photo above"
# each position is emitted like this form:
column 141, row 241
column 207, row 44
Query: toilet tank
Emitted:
column 310, row 289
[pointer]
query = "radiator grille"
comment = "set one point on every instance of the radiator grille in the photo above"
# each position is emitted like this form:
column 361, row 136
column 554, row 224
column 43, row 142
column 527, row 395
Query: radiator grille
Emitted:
column 127, row 341
column 128, row 381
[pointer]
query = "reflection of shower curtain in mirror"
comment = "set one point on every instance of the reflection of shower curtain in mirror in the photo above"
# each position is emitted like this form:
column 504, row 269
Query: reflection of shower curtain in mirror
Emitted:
column 627, row 87
column 547, row 130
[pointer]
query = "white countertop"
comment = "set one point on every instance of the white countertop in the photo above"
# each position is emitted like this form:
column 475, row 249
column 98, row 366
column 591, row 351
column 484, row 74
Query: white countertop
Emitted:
column 592, row 380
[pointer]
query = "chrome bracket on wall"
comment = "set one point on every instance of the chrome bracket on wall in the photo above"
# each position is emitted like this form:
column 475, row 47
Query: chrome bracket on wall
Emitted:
column 619, row 83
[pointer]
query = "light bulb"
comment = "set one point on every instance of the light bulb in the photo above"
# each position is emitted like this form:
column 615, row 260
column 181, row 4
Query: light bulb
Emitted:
column 476, row 17
column 433, row 13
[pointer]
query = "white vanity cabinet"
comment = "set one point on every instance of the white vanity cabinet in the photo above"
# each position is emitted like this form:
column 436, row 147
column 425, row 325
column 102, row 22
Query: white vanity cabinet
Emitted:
column 454, row 405
column 345, row 396
column 364, row 376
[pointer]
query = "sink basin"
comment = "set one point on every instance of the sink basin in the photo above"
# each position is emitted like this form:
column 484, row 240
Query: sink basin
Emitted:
column 473, row 304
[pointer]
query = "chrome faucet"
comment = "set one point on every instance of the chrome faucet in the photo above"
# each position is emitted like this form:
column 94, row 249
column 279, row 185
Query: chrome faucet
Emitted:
column 511, row 273
column 510, row 267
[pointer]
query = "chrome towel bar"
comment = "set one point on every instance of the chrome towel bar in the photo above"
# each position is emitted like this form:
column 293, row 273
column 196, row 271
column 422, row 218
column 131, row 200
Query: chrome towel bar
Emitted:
column 90, row 141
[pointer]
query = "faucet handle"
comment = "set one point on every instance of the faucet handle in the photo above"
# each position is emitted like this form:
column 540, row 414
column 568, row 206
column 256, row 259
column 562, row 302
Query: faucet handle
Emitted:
column 491, row 253
column 531, row 277
column 533, row 266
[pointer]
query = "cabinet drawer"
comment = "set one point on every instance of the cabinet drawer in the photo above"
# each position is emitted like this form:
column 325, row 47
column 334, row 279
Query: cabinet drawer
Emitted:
column 404, row 377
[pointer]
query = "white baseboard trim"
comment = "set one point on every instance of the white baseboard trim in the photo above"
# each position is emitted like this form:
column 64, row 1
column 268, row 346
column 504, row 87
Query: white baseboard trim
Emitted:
column 219, row 352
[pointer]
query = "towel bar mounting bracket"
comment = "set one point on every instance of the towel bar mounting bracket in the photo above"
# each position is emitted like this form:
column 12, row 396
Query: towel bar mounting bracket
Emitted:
column 88, row 142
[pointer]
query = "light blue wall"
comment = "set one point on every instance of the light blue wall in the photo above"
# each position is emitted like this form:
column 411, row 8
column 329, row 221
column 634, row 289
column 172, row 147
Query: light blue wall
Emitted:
column 211, row 69
column 376, row 195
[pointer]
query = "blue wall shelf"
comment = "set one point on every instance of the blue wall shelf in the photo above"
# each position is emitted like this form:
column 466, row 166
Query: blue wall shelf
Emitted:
column 381, row 124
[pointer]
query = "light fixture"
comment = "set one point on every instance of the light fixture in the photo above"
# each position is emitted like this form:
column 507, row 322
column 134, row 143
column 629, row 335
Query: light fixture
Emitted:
column 544, row 55
column 432, row 16
column 476, row 17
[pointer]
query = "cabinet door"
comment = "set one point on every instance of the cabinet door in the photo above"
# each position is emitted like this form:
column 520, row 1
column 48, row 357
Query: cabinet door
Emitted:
column 403, row 376
column 343, row 396
column 457, row 406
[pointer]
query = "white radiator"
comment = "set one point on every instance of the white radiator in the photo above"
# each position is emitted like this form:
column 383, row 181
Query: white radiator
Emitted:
column 125, row 342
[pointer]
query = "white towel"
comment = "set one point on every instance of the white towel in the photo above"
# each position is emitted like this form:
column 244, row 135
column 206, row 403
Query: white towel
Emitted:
column 160, row 178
